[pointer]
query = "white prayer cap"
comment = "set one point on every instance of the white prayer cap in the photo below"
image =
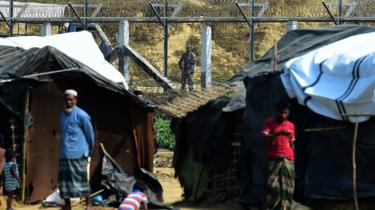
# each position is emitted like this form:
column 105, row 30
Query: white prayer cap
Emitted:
column 71, row 92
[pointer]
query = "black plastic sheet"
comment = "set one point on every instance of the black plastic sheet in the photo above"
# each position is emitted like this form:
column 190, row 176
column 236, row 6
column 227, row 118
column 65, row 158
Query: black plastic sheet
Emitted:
column 116, row 180
column 323, row 159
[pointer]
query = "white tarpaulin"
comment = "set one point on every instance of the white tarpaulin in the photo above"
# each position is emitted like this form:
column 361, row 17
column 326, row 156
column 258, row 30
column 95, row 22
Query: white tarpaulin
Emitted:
column 335, row 80
column 80, row 46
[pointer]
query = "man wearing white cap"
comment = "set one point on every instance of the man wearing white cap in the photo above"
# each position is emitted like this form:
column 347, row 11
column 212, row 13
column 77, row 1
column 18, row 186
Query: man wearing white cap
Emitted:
column 76, row 144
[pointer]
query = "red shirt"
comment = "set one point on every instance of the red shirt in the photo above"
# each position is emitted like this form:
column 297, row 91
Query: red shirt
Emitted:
column 280, row 145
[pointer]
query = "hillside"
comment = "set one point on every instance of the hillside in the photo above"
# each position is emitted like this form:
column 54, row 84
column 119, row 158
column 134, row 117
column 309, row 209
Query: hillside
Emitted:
column 230, row 40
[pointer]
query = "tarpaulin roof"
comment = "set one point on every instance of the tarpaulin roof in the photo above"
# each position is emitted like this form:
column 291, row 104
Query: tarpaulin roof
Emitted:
column 79, row 46
column 335, row 80
column 68, row 55
column 293, row 44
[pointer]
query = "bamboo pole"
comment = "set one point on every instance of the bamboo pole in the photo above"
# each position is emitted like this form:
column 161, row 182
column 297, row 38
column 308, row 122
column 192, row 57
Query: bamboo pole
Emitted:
column 355, row 166
column 12, row 127
column 24, row 155
column 324, row 129
column 91, row 195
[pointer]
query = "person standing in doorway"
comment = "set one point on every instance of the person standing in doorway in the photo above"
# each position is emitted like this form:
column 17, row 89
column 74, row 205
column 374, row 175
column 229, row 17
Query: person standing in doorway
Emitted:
column 280, row 134
column 11, row 177
column 76, row 145
column 187, row 65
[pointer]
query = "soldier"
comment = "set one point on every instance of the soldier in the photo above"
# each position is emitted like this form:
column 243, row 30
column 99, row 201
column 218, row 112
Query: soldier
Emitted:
column 187, row 65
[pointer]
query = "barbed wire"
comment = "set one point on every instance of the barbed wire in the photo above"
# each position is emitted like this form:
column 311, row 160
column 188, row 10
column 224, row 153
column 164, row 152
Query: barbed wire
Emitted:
column 224, row 8
column 230, row 50
column 227, row 8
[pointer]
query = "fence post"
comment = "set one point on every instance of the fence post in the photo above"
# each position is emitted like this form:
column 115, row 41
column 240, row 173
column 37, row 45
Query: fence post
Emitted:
column 166, row 38
column 123, row 39
column 339, row 14
column 11, row 8
column 206, row 58
column 252, row 32
column 46, row 29
column 292, row 25
column 85, row 13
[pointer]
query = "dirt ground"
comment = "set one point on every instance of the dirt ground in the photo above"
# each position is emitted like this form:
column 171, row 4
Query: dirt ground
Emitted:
column 172, row 190
column 173, row 194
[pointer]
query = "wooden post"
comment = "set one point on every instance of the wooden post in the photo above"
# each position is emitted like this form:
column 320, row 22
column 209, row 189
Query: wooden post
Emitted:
column 24, row 149
column 46, row 29
column 354, row 165
column 206, row 58
column 12, row 128
column 123, row 39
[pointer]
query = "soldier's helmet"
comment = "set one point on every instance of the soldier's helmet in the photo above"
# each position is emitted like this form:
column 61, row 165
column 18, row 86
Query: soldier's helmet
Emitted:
column 189, row 46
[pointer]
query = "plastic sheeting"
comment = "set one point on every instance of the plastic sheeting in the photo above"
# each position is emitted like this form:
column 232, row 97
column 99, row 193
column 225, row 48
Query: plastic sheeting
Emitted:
column 295, row 43
column 116, row 180
column 79, row 46
column 323, row 159
column 202, row 140
column 323, row 165
column 336, row 79
column 113, row 121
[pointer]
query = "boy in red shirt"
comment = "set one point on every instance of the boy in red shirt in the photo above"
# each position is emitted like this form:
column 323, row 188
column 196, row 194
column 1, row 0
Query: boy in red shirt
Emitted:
column 280, row 134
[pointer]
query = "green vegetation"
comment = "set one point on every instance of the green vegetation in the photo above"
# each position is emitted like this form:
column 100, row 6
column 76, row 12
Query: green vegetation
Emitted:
column 165, row 137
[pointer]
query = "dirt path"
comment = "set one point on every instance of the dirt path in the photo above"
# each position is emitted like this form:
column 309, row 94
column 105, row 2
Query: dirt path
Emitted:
column 172, row 190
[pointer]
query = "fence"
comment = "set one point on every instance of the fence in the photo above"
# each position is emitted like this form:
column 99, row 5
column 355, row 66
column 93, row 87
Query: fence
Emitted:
column 187, row 18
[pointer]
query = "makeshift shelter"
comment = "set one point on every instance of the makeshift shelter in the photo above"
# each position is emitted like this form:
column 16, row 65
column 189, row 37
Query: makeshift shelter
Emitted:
column 34, row 72
column 322, row 170
column 206, row 157
column 323, row 147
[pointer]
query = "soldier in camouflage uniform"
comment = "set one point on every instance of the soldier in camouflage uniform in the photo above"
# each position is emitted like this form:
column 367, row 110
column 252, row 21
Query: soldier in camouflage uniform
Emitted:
column 187, row 65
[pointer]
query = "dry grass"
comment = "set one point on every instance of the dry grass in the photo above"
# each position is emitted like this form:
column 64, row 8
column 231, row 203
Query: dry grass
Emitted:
column 230, row 41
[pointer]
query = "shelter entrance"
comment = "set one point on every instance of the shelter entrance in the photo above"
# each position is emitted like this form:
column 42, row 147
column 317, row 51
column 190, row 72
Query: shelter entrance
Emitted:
column 14, row 122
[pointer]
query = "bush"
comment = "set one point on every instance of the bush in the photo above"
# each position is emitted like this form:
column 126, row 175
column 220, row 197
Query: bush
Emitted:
column 165, row 137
